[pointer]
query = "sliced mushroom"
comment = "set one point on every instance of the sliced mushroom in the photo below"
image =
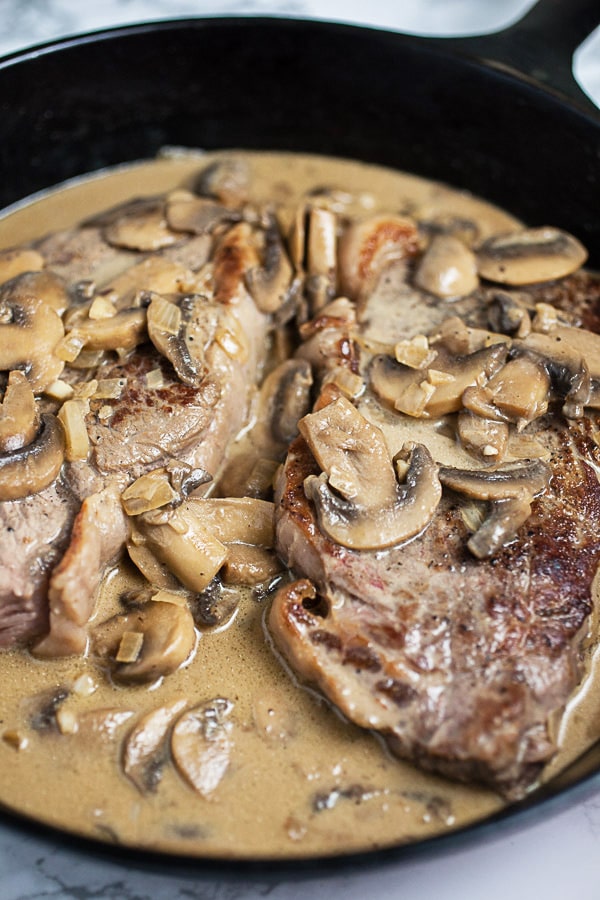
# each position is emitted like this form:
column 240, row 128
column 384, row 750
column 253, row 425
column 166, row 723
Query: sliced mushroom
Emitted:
column 358, row 499
column 461, row 339
column 530, row 255
column 123, row 331
column 508, row 314
column 368, row 247
column 181, row 541
column 233, row 519
column 16, row 260
column 269, row 284
column 155, row 273
column 168, row 639
column 33, row 467
column 201, row 745
column 510, row 492
column 447, row 268
column 438, row 390
column 228, row 180
column 146, row 748
column 313, row 248
column 141, row 226
column 518, row 393
column 500, row 526
column 501, row 484
column 45, row 286
column 19, row 415
column 197, row 215
column 168, row 330
column 572, row 359
column 29, row 333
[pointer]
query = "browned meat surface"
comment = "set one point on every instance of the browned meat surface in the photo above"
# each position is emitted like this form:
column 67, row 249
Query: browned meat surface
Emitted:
column 459, row 663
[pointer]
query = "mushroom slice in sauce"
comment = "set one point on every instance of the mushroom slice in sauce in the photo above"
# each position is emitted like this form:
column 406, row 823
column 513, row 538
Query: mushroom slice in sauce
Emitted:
column 359, row 502
column 123, row 331
column 168, row 639
column 510, row 492
column 180, row 541
column 19, row 415
column 168, row 330
column 269, row 284
column 141, row 226
column 447, row 268
column 146, row 750
column 313, row 248
column 227, row 180
column 29, row 333
column 518, row 393
column 201, row 745
column 16, row 260
column 46, row 286
column 197, row 215
column 437, row 390
column 530, row 255
column 29, row 469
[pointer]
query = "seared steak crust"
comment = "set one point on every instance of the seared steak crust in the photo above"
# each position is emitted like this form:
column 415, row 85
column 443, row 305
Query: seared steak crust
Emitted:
column 461, row 664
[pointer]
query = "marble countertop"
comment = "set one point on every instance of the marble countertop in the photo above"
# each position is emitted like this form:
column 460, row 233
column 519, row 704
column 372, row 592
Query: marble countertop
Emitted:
column 555, row 854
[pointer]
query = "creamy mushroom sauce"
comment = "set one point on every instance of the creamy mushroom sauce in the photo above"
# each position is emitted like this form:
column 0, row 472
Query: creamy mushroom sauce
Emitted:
column 300, row 780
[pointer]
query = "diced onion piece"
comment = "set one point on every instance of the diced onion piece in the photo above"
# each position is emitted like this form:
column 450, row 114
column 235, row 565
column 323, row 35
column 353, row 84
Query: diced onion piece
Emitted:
column 84, row 390
column 105, row 412
column 66, row 721
column 69, row 347
column 150, row 491
column 415, row 353
column 349, row 383
column 84, row 686
column 436, row 377
column 130, row 647
column 72, row 418
column 415, row 398
column 155, row 379
column 166, row 315
column 59, row 390
column 109, row 388
column 102, row 308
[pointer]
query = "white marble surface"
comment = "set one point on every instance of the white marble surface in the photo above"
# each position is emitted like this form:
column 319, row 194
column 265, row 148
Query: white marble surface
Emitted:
column 555, row 855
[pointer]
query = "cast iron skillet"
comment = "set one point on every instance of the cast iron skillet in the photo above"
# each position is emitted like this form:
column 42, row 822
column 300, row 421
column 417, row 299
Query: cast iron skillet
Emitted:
column 499, row 115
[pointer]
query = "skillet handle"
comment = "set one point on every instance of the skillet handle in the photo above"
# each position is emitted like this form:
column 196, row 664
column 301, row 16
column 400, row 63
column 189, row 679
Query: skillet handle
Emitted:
column 540, row 46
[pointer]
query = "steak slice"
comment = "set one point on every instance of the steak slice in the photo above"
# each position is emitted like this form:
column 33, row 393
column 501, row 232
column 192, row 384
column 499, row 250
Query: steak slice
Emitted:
column 460, row 664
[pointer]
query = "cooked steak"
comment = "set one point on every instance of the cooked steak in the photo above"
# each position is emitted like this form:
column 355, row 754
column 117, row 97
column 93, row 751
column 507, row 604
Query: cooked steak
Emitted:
column 461, row 653
column 180, row 397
